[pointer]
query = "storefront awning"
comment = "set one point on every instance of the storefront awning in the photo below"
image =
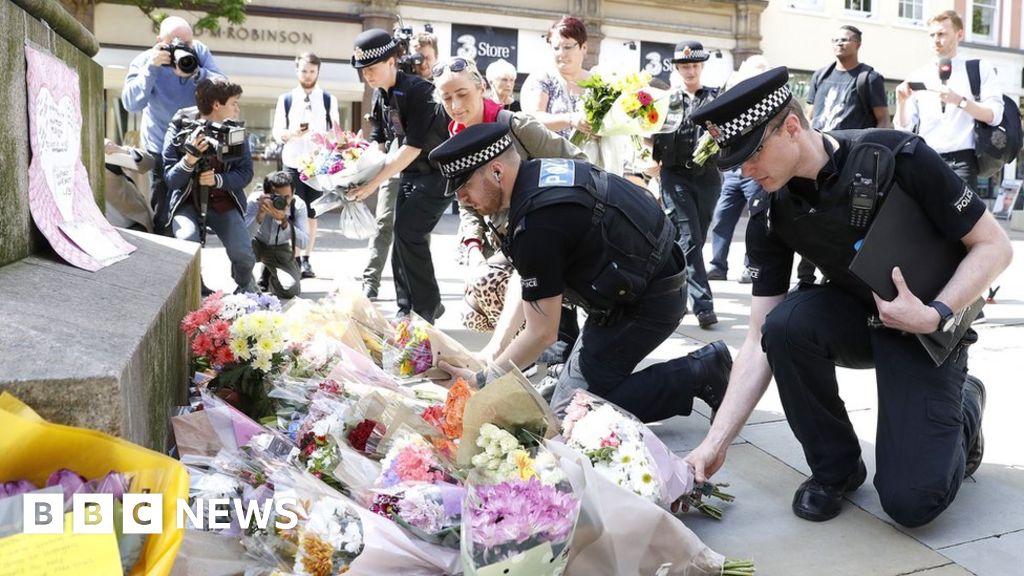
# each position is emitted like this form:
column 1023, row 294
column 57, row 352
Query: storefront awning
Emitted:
column 260, row 77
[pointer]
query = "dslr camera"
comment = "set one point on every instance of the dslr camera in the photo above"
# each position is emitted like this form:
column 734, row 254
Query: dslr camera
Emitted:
column 278, row 202
column 225, row 138
column 183, row 56
column 405, row 59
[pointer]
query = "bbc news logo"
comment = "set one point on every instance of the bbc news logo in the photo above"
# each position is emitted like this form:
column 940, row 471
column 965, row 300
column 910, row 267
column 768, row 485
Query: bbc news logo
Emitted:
column 144, row 513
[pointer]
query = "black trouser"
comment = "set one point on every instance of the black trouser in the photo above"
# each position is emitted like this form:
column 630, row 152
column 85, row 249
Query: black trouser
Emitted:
column 922, row 434
column 284, row 273
column 690, row 199
column 965, row 164
column 604, row 357
column 421, row 202
column 158, row 196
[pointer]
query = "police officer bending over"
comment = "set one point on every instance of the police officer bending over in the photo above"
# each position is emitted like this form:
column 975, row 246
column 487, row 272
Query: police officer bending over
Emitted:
column 404, row 112
column 929, row 418
column 578, row 233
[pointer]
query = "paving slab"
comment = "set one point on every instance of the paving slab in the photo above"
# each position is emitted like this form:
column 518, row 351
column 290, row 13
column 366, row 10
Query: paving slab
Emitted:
column 760, row 526
column 996, row 556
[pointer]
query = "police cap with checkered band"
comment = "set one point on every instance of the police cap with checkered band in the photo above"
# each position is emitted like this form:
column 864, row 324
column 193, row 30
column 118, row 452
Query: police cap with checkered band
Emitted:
column 372, row 46
column 459, row 156
column 738, row 119
column 689, row 51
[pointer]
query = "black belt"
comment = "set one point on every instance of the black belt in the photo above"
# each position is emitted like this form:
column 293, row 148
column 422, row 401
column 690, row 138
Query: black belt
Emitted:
column 957, row 155
column 665, row 285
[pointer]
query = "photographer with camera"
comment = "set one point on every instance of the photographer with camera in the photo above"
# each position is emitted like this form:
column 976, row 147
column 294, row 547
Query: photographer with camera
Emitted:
column 207, row 167
column 277, row 219
column 404, row 111
column 161, row 81
column 422, row 55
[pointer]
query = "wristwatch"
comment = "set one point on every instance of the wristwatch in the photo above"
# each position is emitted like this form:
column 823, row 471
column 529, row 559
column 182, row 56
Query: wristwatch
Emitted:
column 962, row 104
column 947, row 320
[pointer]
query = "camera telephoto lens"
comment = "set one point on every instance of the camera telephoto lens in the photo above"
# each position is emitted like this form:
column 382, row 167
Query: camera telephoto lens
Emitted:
column 279, row 202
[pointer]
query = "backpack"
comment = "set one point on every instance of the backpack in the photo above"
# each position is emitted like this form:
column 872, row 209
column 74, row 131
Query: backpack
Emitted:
column 327, row 109
column 863, row 93
column 994, row 146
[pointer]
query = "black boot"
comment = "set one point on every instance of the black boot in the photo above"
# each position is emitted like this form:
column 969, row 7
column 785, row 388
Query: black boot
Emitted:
column 819, row 502
column 974, row 409
column 714, row 366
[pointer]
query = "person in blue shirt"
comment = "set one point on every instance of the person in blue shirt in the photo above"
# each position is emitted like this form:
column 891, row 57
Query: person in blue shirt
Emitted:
column 158, row 85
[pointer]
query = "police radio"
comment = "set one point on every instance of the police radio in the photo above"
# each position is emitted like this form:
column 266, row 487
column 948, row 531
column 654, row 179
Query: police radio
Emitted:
column 863, row 195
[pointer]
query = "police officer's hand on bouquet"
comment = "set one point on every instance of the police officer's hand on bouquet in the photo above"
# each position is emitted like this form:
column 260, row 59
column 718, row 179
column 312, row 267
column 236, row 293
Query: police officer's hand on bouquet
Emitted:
column 705, row 461
column 906, row 312
column 361, row 192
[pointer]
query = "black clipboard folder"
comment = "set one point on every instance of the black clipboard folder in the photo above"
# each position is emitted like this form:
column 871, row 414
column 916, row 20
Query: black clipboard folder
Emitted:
column 902, row 235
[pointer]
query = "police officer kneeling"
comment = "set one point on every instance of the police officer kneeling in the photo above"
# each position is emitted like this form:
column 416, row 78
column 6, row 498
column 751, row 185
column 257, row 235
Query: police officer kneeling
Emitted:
column 578, row 233
column 929, row 417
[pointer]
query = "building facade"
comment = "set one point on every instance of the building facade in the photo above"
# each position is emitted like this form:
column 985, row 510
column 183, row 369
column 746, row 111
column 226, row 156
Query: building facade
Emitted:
column 259, row 54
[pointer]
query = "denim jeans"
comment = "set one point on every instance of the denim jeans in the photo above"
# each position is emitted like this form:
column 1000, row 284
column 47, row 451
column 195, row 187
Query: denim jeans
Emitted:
column 604, row 357
column 231, row 230
column 737, row 192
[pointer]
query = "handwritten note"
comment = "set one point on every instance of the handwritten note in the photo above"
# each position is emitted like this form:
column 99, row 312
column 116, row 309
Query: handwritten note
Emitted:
column 60, row 554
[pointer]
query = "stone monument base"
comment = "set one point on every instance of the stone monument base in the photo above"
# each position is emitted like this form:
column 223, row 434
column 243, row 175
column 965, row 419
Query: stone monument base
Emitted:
column 101, row 350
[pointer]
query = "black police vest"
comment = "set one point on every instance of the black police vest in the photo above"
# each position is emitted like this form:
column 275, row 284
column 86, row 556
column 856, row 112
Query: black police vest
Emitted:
column 636, row 237
column 675, row 150
column 825, row 232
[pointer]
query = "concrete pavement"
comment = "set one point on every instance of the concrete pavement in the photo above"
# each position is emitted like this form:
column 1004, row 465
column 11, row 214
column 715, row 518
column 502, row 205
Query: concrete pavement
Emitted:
column 981, row 533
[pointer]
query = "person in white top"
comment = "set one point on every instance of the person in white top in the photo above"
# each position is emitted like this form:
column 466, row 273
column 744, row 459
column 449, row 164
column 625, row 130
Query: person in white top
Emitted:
column 300, row 113
column 945, row 111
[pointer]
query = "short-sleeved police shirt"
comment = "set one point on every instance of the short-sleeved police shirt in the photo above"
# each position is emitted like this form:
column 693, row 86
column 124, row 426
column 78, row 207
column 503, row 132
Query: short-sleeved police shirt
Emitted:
column 550, row 245
column 837, row 105
column 407, row 112
column 922, row 174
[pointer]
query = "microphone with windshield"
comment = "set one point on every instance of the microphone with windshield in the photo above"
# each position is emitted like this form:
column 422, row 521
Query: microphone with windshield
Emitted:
column 945, row 71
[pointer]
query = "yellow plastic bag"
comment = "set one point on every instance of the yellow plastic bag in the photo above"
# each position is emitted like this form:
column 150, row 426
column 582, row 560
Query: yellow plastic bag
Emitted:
column 32, row 449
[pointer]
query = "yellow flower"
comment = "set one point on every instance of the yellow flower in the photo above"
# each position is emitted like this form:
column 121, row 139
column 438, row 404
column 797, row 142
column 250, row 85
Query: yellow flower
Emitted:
column 524, row 464
column 266, row 346
column 630, row 104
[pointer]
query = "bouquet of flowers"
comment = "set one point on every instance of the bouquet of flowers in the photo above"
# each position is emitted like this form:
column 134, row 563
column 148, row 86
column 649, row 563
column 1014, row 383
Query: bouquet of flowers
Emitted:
column 432, row 511
column 706, row 148
column 412, row 355
column 520, row 511
column 240, row 337
column 626, row 452
column 622, row 105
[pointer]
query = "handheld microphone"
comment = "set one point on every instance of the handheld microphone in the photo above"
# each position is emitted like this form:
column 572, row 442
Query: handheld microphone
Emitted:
column 945, row 71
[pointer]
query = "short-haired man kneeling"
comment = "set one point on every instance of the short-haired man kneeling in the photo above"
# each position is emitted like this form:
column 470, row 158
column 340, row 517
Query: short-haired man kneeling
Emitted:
column 277, row 219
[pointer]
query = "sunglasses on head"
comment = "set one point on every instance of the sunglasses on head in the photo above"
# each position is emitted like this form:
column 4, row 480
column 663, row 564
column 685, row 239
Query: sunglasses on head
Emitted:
column 456, row 65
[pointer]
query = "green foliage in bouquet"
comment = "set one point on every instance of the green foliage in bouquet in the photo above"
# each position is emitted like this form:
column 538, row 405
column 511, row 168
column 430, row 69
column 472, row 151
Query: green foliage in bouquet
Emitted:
column 597, row 101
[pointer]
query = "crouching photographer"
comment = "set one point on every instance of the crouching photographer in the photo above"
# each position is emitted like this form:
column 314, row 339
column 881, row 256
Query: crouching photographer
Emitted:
column 207, row 167
column 277, row 220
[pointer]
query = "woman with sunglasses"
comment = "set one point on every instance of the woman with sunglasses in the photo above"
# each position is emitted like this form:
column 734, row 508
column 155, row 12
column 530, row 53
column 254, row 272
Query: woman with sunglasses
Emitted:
column 460, row 88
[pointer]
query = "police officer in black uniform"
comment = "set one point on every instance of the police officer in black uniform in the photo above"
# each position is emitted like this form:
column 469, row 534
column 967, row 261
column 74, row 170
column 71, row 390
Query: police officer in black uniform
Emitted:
column 929, row 417
column 404, row 110
column 690, row 191
column 578, row 233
